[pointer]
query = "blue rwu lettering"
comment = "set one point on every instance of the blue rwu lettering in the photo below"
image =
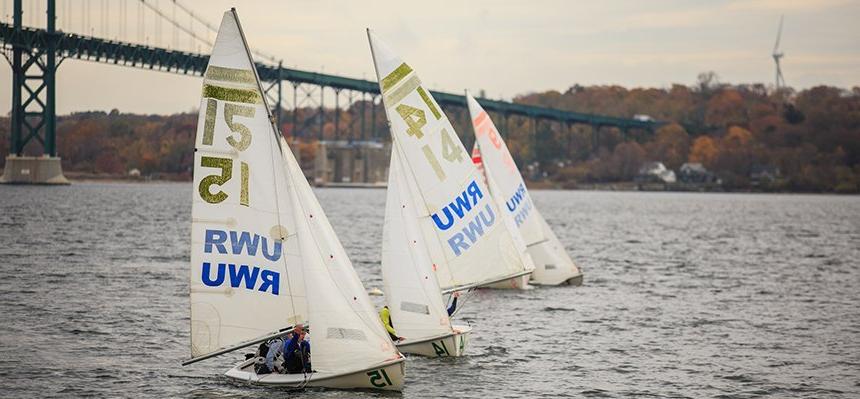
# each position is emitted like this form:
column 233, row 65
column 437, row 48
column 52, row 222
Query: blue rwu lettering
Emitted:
column 516, row 198
column 474, row 192
column 523, row 213
column 473, row 231
column 243, row 273
column 461, row 202
column 242, row 276
column 277, row 250
column 216, row 238
column 241, row 242
column 243, row 239
column 461, row 205
column 207, row 274
column 270, row 279
column 443, row 226
column 457, row 244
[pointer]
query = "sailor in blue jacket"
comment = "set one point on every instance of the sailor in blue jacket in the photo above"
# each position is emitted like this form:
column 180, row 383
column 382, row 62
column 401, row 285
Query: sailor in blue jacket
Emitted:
column 453, row 306
column 297, row 352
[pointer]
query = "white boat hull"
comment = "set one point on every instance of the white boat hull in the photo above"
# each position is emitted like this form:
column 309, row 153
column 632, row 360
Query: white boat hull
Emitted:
column 575, row 281
column 553, row 265
column 452, row 345
column 516, row 283
column 387, row 376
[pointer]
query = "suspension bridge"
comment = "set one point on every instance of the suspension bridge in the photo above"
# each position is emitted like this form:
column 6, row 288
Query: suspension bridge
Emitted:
column 169, row 36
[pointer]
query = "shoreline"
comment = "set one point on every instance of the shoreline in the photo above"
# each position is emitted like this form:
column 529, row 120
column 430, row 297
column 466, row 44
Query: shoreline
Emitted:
column 83, row 177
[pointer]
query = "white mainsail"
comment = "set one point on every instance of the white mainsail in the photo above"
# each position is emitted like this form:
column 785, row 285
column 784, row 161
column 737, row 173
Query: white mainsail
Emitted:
column 411, row 290
column 255, row 214
column 245, row 276
column 552, row 263
column 457, row 217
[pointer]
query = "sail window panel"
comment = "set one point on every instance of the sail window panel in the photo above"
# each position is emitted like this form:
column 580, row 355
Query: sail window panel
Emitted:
column 345, row 333
column 414, row 307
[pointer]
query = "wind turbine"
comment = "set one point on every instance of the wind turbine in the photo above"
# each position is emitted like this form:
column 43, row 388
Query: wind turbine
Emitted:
column 780, row 82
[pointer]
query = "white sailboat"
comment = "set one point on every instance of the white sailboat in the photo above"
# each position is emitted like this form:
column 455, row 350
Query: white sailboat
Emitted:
column 468, row 242
column 411, row 290
column 553, row 266
column 263, row 255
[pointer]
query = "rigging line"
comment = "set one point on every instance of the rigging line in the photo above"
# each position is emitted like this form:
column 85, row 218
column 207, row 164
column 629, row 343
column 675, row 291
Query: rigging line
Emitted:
column 141, row 23
column 175, row 32
column 175, row 23
column 188, row 11
column 212, row 28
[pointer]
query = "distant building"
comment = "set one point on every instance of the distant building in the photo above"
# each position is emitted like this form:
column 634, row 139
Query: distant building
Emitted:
column 655, row 172
column 354, row 163
column 763, row 174
column 696, row 173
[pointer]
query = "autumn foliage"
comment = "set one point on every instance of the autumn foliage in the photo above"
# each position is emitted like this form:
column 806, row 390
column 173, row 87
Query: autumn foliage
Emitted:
column 810, row 140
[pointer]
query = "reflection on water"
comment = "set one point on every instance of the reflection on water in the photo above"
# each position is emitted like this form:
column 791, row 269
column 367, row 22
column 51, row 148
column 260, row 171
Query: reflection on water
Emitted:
column 685, row 294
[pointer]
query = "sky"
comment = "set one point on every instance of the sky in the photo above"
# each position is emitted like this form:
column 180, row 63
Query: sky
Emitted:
column 505, row 48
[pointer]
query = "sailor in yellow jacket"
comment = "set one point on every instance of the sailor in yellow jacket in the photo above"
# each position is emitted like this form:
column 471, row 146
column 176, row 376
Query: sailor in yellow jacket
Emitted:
column 385, row 316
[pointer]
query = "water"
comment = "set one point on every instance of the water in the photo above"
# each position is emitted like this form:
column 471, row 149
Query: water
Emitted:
column 693, row 295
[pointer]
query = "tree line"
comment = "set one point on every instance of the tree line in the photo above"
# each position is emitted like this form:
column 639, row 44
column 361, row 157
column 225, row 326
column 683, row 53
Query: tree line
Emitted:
column 811, row 137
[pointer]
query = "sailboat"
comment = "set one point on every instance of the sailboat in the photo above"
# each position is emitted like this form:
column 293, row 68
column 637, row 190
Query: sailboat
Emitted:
column 553, row 266
column 263, row 254
column 468, row 243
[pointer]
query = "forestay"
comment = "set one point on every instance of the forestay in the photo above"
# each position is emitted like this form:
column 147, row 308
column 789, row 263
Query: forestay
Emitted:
column 411, row 289
column 552, row 263
column 245, row 262
column 460, row 222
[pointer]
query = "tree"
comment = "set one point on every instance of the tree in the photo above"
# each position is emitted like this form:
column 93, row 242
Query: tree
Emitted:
column 704, row 151
column 670, row 146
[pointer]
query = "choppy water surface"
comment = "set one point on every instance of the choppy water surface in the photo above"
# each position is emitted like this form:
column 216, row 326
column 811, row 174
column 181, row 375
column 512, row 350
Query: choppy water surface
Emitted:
column 695, row 295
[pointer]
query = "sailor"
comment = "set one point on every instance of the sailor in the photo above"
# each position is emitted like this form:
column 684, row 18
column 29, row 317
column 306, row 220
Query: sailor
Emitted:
column 271, row 364
column 385, row 316
column 297, row 352
column 453, row 307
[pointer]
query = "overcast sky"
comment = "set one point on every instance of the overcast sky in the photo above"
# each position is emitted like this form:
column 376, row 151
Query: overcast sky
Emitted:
column 504, row 47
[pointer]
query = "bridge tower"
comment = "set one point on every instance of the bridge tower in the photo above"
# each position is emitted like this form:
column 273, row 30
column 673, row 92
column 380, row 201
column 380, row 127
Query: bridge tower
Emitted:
column 34, row 71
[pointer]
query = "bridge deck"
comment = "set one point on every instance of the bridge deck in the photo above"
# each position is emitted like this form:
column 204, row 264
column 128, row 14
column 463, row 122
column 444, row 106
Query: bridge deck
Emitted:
column 146, row 57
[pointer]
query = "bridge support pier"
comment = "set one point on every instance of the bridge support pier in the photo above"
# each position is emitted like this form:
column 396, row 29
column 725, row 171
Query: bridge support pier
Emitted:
column 33, row 170
column 34, row 108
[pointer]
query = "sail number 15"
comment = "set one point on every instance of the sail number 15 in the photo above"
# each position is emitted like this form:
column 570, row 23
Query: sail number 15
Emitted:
column 240, row 141
column 379, row 378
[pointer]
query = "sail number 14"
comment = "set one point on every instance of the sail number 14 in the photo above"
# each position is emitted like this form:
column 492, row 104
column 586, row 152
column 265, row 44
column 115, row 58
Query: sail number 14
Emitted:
column 415, row 119
column 241, row 140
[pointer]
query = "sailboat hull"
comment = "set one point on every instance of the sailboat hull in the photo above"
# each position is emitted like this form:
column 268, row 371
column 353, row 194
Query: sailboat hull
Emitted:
column 575, row 281
column 387, row 376
column 516, row 283
column 552, row 269
column 452, row 345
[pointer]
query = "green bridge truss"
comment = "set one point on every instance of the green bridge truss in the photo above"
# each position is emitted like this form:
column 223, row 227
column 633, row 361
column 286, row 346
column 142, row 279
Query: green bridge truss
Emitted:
column 35, row 55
